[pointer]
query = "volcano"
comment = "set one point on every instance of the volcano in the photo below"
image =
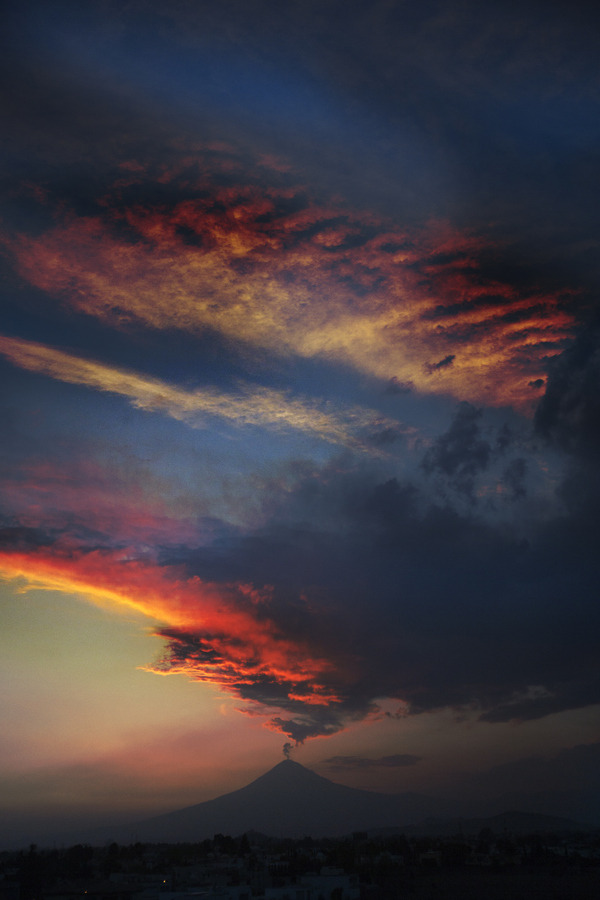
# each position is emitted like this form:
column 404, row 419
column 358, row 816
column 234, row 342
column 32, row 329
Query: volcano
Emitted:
column 287, row 801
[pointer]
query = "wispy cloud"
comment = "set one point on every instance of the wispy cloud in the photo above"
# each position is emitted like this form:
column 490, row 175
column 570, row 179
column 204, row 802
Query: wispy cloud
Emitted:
column 252, row 405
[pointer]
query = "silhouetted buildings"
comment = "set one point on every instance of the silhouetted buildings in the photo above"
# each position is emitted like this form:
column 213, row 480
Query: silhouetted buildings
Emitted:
column 362, row 867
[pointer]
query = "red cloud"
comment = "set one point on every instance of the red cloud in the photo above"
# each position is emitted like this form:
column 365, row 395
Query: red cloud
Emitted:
column 256, row 261
column 216, row 633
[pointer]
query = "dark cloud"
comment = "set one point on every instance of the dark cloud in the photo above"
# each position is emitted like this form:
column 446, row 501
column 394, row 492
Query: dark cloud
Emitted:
column 20, row 537
column 413, row 600
column 504, row 438
column 301, row 728
column 537, row 703
column 442, row 364
column 397, row 594
column 514, row 477
column 482, row 92
column 227, row 660
column 569, row 412
column 397, row 760
column 461, row 452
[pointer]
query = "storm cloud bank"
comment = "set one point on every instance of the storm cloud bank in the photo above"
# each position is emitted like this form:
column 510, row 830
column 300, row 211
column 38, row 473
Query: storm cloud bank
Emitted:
column 438, row 591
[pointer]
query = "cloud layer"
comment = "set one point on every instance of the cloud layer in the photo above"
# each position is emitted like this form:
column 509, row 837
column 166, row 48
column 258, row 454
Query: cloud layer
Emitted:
column 259, row 261
column 330, row 603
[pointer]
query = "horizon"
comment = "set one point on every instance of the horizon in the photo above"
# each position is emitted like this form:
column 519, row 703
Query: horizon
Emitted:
column 299, row 350
column 409, row 822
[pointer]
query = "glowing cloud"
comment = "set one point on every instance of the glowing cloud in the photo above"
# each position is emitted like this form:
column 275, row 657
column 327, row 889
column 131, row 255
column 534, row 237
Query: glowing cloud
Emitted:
column 220, row 634
column 268, row 267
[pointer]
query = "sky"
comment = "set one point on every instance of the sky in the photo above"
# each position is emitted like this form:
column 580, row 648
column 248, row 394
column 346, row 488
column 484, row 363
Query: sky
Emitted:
column 300, row 371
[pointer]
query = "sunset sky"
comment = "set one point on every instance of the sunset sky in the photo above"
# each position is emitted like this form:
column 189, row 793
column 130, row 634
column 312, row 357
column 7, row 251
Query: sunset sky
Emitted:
column 300, row 372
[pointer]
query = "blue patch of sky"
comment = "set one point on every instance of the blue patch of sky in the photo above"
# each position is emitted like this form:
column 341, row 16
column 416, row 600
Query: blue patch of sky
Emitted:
column 210, row 74
column 217, row 88
column 73, row 418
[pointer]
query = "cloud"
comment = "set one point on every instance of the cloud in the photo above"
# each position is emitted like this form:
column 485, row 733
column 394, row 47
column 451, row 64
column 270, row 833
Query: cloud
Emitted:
column 397, row 760
column 248, row 254
column 415, row 601
column 569, row 412
column 514, row 477
column 252, row 405
column 430, row 368
column 218, row 634
column 461, row 452
column 354, row 585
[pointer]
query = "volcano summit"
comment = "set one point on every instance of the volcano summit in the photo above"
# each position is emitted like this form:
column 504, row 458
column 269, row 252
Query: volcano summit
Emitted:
column 287, row 801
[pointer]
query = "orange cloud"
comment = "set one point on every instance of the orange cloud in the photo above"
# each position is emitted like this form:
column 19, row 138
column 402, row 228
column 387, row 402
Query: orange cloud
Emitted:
column 216, row 633
column 268, row 267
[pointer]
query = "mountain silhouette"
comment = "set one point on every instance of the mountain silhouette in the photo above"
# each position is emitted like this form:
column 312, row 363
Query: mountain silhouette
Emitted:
column 287, row 801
